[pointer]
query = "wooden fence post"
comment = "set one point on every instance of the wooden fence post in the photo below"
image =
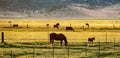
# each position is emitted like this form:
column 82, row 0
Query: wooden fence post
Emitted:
column 68, row 51
column 99, row 47
column 53, row 51
column 11, row 54
column 114, row 46
column 33, row 52
column 86, row 47
column 2, row 34
column 106, row 38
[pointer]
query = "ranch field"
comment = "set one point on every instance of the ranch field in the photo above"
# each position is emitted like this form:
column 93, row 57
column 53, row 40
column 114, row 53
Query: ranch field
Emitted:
column 30, row 39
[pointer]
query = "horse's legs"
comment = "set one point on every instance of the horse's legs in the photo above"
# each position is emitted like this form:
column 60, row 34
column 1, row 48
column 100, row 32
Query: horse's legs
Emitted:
column 51, row 43
column 92, row 43
column 61, row 42
column 88, row 43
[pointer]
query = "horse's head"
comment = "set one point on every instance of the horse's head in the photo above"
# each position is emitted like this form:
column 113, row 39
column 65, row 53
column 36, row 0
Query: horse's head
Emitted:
column 66, row 44
column 65, row 40
column 56, row 26
column 93, row 38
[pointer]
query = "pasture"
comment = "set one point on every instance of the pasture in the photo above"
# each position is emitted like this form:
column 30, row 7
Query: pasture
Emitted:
column 31, row 39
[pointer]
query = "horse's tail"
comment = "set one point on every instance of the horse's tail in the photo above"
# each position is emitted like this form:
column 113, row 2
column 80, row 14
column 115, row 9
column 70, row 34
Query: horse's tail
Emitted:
column 50, row 39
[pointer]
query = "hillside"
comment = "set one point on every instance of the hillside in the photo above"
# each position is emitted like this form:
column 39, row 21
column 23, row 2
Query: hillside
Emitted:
column 60, row 8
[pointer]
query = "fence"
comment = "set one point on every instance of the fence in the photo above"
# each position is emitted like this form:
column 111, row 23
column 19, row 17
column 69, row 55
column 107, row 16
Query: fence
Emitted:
column 73, row 50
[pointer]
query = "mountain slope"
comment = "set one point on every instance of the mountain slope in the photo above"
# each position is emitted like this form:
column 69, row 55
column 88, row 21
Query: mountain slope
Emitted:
column 60, row 8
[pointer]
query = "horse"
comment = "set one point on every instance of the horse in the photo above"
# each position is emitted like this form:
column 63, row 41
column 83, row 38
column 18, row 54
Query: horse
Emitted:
column 90, row 41
column 56, row 26
column 15, row 25
column 69, row 28
column 61, row 37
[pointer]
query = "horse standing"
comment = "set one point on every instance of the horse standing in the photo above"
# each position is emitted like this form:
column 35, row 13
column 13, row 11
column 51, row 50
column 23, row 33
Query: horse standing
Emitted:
column 90, row 41
column 69, row 28
column 61, row 37
column 56, row 26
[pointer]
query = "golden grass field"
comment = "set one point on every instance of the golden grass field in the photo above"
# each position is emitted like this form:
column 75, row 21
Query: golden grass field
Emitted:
column 38, row 27
column 38, row 34
column 38, row 23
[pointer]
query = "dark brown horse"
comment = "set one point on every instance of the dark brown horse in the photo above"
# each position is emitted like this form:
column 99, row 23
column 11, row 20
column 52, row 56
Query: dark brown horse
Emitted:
column 56, row 26
column 90, row 41
column 61, row 37
column 69, row 28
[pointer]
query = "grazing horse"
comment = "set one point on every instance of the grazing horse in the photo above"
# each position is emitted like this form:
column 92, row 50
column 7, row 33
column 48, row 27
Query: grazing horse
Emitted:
column 15, row 25
column 56, row 26
column 90, row 41
column 61, row 37
column 69, row 28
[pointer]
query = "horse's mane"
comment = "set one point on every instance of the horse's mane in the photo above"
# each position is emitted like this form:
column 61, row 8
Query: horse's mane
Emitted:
column 65, row 39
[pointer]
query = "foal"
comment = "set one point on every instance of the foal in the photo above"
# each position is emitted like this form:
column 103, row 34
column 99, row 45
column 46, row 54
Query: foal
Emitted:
column 90, row 41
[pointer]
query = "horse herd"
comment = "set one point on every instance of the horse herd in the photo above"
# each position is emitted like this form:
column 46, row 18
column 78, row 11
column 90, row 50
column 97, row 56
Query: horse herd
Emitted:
column 67, row 27
column 61, row 37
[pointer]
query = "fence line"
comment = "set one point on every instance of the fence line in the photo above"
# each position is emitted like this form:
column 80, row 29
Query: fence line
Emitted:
column 67, row 53
column 69, row 47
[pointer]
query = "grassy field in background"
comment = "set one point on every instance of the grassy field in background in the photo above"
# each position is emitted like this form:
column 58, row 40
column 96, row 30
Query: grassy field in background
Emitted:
column 97, row 28
column 36, row 23
column 21, row 40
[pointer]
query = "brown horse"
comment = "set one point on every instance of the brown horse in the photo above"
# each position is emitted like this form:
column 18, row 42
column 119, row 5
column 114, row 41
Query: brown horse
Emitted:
column 61, row 37
column 69, row 28
column 56, row 26
column 90, row 41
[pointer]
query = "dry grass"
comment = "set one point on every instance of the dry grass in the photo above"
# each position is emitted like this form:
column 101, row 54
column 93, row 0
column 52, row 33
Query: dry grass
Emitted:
column 38, row 34
column 75, row 23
